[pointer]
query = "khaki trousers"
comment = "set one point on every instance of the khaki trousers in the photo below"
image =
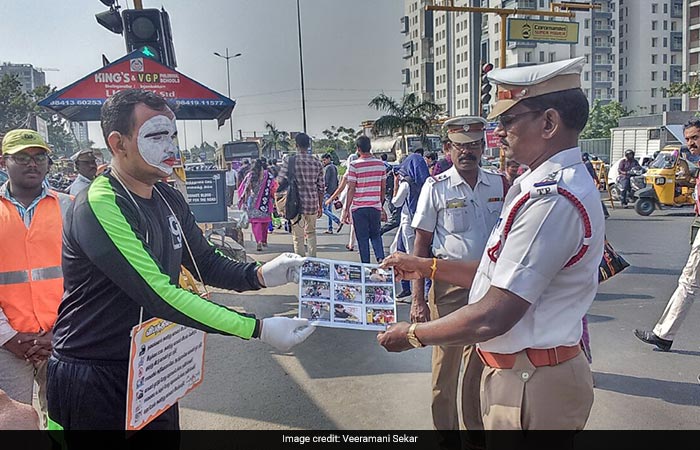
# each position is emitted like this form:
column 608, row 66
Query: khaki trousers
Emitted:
column 17, row 378
column 537, row 398
column 456, row 370
column 305, row 228
column 682, row 299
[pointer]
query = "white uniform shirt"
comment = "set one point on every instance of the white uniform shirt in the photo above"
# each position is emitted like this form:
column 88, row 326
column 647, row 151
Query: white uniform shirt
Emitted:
column 459, row 217
column 546, row 233
column 79, row 184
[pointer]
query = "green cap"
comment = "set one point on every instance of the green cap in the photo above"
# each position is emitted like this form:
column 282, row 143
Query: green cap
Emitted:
column 17, row 140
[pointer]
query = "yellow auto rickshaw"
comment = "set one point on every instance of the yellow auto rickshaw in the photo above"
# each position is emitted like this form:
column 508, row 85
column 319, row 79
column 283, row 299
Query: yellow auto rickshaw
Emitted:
column 670, row 181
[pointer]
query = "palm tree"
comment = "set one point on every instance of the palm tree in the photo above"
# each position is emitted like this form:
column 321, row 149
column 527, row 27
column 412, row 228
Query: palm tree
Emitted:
column 274, row 141
column 410, row 115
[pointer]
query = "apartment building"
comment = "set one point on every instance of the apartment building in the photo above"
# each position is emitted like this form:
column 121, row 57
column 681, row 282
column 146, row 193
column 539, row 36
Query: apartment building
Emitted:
column 633, row 49
column 418, row 75
column 651, row 54
column 28, row 75
column 691, row 55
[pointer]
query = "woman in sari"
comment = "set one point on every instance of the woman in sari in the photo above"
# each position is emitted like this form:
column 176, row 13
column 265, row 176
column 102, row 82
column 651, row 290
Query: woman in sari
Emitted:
column 255, row 196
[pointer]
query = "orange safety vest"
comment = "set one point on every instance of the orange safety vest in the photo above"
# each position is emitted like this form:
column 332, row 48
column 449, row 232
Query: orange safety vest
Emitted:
column 31, row 279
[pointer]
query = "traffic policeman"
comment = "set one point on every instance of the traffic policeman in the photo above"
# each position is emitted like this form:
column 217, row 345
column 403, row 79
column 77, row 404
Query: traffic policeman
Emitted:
column 455, row 213
column 538, row 275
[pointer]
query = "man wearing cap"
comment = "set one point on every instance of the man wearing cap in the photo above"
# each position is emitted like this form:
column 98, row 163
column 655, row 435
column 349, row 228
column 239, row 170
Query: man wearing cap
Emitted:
column 539, row 273
column 86, row 165
column 31, row 280
column 455, row 213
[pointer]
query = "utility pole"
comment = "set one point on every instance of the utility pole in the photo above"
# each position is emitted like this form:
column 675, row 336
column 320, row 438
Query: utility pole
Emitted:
column 301, row 67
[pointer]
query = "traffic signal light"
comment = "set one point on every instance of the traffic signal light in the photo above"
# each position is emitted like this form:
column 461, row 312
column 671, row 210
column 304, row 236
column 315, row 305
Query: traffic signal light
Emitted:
column 485, row 86
column 148, row 30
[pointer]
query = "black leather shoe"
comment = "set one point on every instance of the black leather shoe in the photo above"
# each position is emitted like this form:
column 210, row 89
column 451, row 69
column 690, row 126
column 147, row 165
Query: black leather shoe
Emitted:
column 650, row 338
column 403, row 294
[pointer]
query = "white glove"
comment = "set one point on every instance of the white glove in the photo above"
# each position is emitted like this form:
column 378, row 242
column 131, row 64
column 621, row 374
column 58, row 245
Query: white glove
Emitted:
column 282, row 270
column 284, row 333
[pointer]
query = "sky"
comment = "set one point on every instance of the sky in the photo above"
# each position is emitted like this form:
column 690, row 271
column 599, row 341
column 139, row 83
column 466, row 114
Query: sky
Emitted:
column 352, row 52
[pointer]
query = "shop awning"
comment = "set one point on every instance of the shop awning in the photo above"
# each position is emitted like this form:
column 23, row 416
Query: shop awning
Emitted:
column 82, row 100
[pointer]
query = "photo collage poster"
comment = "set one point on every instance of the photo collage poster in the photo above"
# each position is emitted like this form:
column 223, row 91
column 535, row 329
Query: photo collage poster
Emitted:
column 343, row 294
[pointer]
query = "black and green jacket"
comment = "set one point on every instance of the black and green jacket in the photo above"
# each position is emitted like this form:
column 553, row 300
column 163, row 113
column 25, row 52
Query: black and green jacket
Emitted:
column 118, row 257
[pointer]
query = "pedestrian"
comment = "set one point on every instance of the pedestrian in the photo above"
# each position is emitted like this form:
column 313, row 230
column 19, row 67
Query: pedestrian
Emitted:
column 511, row 171
column 340, row 195
column 431, row 160
column 389, row 192
column 242, row 171
column 454, row 215
column 539, row 273
column 123, row 247
column 679, row 304
column 309, row 181
column 445, row 162
column 256, row 197
column 366, row 188
column 86, row 165
column 624, row 177
column 411, row 176
column 419, row 151
column 231, row 183
column 330, row 178
column 31, row 280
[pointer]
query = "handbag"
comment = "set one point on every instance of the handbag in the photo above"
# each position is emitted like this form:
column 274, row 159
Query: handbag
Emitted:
column 338, row 204
column 288, row 200
column 611, row 264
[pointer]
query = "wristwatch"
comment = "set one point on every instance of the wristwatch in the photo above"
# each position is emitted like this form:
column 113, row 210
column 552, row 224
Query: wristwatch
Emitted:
column 412, row 338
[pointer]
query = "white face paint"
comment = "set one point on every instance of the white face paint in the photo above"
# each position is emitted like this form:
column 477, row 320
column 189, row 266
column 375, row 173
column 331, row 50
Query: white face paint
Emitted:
column 157, row 143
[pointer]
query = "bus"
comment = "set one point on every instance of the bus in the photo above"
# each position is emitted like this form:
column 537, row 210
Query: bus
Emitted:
column 395, row 147
column 235, row 153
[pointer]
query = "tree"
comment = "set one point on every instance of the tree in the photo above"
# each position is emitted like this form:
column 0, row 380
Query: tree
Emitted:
column 15, row 105
column 602, row 118
column 19, row 109
column 410, row 115
column 274, row 141
column 692, row 88
column 61, row 139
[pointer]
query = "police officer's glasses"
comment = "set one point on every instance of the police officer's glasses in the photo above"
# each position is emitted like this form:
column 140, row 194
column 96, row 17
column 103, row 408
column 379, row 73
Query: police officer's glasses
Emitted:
column 475, row 145
column 23, row 159
column 507, row 120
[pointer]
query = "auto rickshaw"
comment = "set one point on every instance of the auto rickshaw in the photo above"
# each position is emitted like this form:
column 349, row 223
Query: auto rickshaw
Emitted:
column 670, row 181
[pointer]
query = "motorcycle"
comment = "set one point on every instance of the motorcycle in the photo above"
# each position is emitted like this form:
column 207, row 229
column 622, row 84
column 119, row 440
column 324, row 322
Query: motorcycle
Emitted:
column 637, row 182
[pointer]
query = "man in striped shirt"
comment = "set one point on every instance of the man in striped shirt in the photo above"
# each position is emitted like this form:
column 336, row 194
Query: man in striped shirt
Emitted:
column 366, row 178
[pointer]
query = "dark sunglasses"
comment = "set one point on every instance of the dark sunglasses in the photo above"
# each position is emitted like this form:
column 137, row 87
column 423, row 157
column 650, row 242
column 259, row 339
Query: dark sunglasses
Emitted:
column 507, row 120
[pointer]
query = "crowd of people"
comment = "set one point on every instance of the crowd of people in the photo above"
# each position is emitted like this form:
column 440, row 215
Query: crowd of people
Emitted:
column 502, row 308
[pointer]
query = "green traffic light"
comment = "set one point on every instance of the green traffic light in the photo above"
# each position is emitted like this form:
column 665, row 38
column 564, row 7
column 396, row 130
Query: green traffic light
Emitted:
column 148, row 52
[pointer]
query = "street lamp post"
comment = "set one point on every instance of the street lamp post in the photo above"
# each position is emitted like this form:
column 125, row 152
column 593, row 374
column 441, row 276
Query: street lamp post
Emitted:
column 228, row 79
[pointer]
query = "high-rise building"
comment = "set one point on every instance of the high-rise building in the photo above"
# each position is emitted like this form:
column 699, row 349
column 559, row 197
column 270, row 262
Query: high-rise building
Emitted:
column 691, row 55
column 418, row 72
column 633, row 49
column 80, row 131
column 651, row 54
column 28, row 75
